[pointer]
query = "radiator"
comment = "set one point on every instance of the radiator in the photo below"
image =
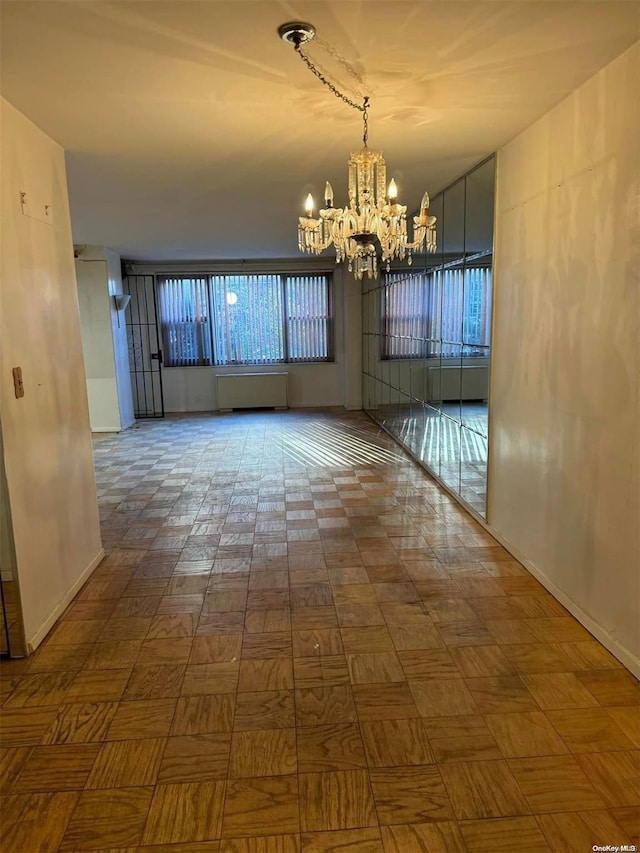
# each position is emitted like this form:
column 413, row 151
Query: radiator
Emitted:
column 252, row 391
column 444, row 383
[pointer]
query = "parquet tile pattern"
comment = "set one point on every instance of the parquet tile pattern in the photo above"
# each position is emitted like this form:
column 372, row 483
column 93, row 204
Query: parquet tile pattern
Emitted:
column 298, row 643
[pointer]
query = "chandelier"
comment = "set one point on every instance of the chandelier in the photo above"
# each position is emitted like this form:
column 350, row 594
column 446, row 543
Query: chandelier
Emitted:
column 373, row 216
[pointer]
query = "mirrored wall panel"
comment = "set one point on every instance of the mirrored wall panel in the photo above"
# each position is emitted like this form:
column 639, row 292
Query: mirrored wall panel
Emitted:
column 426, row 342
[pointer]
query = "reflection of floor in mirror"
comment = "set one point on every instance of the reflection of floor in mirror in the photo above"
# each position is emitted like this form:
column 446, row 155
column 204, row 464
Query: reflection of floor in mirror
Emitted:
column 8, row 614
column 473, row 415
column 4, row 646
column 458, row 456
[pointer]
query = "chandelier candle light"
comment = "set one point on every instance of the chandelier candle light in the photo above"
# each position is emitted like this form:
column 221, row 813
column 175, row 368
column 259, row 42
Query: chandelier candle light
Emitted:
column 373, row 212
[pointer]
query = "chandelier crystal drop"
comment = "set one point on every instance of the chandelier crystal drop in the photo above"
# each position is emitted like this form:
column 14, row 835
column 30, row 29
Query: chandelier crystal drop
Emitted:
column 372, row 216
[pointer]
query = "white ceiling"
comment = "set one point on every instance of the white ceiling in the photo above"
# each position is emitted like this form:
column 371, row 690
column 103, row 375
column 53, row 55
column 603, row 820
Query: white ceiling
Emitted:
column 193, row 132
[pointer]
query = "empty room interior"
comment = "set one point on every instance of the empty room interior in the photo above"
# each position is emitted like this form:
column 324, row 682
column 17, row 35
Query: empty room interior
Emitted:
column 320, row 426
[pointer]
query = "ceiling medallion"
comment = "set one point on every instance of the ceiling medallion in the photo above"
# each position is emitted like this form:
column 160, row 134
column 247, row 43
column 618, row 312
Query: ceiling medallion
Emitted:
column 373, row 216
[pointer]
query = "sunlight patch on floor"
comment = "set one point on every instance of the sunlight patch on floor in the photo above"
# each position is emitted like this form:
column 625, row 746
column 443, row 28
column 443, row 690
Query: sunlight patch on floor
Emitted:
column 321, row 444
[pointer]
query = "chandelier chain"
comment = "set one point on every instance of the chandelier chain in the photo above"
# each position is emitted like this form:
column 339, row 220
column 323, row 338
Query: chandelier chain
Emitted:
column 365, row 121
column 361, row 108
column 350, row 69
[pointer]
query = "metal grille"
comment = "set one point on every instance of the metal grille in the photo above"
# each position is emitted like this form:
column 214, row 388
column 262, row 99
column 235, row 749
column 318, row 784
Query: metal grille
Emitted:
column 145, row 355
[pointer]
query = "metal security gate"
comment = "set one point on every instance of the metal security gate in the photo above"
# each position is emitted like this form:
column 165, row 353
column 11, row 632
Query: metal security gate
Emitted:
column 145, row 355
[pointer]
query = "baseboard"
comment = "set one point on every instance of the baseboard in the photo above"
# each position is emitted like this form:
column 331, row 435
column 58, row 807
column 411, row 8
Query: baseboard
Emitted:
column 106, row 429
column 34, row 641
column 291, row 407
column 323, row 405
column 626, row 658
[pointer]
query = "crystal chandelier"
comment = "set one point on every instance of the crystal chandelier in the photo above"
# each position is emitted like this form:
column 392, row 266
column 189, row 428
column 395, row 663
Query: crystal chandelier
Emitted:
column 373, row 215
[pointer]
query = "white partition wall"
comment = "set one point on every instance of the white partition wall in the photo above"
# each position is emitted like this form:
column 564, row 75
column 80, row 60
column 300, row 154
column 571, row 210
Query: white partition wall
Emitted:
column 47, row 441
column 565, row 415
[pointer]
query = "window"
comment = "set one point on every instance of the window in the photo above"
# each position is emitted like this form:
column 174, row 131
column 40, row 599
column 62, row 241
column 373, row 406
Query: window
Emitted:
column 184, row 321
column 245, row 319
column 477, row 309
column 404, row 312
column 247, row 326
column 437, row 314
column 308, row 309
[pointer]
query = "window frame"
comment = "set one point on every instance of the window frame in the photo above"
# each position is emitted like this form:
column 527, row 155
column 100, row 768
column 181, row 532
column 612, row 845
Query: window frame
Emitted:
column 283, row 278
column 429, row 342
column 164, row 326
column 330, row 358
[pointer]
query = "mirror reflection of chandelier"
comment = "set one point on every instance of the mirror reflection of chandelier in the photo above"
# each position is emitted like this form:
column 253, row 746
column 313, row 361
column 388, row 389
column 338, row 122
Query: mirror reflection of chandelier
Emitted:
column 373, row 215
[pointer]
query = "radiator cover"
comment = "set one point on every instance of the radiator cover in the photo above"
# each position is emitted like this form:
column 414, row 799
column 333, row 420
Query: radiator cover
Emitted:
column 452, row 382
column 252, row 390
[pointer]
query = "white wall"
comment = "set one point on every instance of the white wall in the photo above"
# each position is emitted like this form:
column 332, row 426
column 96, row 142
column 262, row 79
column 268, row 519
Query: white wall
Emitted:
column 419, row 379
column 193, row 389
column 47, row 441
column 97, row 345
column 338, row 383
column 565, row 413
column 104, row 342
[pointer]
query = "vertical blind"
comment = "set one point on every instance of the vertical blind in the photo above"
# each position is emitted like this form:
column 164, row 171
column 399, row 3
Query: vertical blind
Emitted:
column 184, row 321
column 245, row 319
column 307, row 308
column 405, row 314
column 477, row 310
column 446, row 312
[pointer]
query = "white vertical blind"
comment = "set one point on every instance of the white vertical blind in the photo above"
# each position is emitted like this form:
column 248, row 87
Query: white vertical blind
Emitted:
column 247, row 319
column 434, row 317
column 405, row 312
column 477, row 307
column 452, row 312
column 437, row 314
column 184, row 321
column 308, row 314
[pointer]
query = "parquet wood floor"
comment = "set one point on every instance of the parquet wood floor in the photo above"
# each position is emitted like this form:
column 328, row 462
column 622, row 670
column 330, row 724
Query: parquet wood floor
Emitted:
column 299, row 643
